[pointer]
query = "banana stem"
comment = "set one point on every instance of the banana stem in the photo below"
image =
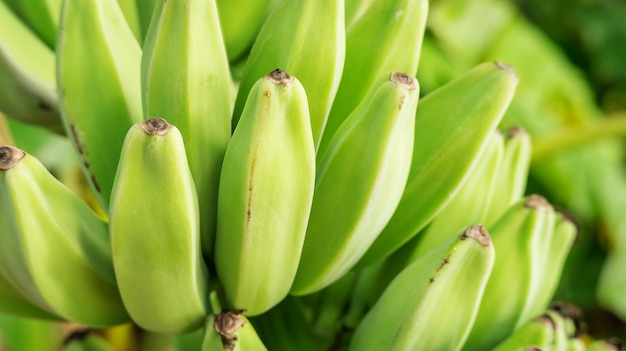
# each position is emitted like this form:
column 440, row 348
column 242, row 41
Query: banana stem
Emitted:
column 5, row 133
column 563, row 139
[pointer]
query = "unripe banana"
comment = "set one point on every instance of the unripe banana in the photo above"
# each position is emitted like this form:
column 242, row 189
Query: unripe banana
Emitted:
column 432, row 303
column 387, row 37
column 539, row 332
column 359, row 182
column 53, row 248
column 513, row 281
column 155, row 231
column 470, row 204
column 556, row 245
column 451, row 129
column 100, row 96
column 27, row 82
column 312, row 49
column 241, row 21
column 42, row 16
column 510, row 183
column 187, row 82
column 265, row 195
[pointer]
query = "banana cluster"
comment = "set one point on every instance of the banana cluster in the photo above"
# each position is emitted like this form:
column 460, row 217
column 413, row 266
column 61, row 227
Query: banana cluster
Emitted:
column 271, row 178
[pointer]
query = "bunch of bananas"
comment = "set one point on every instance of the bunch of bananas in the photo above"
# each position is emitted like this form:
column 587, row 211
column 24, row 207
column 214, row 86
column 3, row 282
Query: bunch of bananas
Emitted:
column 267, row 175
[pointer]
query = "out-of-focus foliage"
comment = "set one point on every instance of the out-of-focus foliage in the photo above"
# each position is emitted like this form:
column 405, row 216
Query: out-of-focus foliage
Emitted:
column 593, row 35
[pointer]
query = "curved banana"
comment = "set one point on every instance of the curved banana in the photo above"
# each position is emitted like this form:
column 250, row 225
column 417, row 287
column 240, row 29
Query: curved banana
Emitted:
column 515, row 272
column 54, row 249
column 387, row 37
column 432, row 303
column 359, row 182
column 265, row 195
column 241, row 21
column 306, row 39
column 450, row 133
column 27, row 82
column 556, row 245
column 187, row 82
column 510, row 182
column 100, row 97
column 471, row 203
column 155, row 231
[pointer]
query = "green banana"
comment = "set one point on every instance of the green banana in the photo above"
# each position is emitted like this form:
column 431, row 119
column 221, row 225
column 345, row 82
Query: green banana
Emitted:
column 359, row 182
column 539, row 332
column 241, row 21
column 387, row 37
column 42, row 16
column 61, row 262
column 100, row 97
column 432, row 303
column 187, row 82
column 86, row 340
column 470, row 204
column 27, row 82
column 451, row 129
column 549, row 266
column 155, row 232
column 312, row 49
column 265, row 194
column 510, row 182
column 514, row 280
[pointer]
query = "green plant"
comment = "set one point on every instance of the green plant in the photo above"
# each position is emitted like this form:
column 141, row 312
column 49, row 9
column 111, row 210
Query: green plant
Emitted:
column 280, row 187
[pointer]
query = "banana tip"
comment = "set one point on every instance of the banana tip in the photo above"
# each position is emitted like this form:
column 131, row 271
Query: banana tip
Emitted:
column 538, row 202
column 505, row 66
column 156, row 126
column 278, row 76
column 403, row 80
column 9, row 157
column 478, row 233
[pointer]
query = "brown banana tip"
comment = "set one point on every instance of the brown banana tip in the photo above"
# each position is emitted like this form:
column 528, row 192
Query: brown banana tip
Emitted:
column 226, row 325
column 478, row 233
column 9, row 157
column 155, row 126
column 278, row 76
column 505, row 66
column 514, row 132
column 573, row 313
column 228, row 322
column 538, row 202
column 404, row 80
